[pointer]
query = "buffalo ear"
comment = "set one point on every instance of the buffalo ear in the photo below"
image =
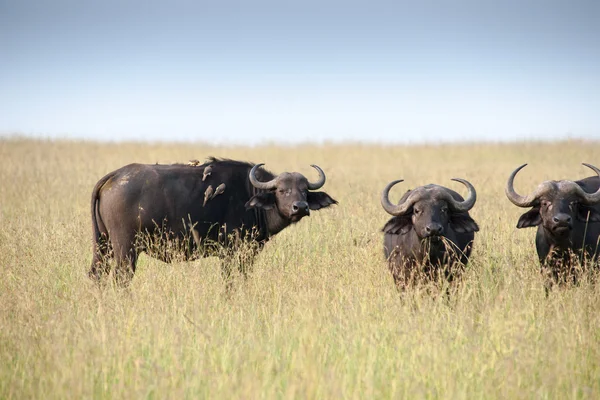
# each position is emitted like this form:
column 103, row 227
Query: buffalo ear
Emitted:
column 530, row 218
column 318, row 200
column 398, row 225
column 463, row 223
column 265, row 200
column 584, row 211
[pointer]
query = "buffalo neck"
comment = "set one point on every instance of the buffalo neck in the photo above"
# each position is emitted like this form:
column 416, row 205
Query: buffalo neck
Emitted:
column 275, row 221
column 433, row 252
column 558, row 242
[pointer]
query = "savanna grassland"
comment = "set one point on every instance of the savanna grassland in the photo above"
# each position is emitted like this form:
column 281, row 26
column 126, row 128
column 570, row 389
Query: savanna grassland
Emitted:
column 318, row 317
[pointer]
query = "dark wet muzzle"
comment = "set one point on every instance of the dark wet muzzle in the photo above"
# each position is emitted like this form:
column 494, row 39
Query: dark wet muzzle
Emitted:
column 563, row 219
column 300, row 208
column 562, row 222
column 434, row 229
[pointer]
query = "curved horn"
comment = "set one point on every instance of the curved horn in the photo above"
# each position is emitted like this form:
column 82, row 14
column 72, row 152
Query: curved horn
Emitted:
column 590, row 198
column 318, row 184
column 393, row 209
column 513, row 196
column 468, row 203
column 258, row 184
column 524, row 201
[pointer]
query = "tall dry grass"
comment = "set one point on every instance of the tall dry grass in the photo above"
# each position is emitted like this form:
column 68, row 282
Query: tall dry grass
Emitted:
column 319, row 316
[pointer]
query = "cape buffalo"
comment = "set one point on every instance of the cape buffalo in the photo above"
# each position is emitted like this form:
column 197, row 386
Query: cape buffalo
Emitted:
column 431, row 232
column 210, row 209
column 567, row 214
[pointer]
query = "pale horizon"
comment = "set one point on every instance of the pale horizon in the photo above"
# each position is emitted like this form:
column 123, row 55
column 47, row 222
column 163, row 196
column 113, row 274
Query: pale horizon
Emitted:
column 314, row 72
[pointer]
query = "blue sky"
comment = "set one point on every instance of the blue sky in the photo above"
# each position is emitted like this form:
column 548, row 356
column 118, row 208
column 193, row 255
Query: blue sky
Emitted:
column 255, row 71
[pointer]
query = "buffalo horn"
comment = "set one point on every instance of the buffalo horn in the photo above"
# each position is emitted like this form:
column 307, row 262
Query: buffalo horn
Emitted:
column 517, row 199
column 528, row 201
column 394, row 209
column 589, row 198
column 468, row 203
column 318, row 184
column 272, row 184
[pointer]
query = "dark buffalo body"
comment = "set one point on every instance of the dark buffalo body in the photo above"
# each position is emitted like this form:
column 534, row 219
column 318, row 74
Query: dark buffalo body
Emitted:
column 431, row 233
column 567, row 214
column 204, row 207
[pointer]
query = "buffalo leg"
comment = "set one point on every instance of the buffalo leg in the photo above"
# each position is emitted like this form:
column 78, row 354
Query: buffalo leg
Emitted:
column 238, row 250
column 125, row 261
column 399, row 273
column 100, row 266
column 241, row 258
column 226, row 273
column 245, row 259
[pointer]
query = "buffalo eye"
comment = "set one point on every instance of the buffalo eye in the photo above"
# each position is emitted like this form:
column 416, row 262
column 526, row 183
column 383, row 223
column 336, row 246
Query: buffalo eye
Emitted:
column 417, row 211
column 573, row 205
column 546, row 203
column 445, row 210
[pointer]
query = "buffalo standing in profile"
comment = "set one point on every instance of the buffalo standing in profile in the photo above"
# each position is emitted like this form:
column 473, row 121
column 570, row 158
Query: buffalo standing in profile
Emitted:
column 431, row 232
column 213, row 206
column 567, row 214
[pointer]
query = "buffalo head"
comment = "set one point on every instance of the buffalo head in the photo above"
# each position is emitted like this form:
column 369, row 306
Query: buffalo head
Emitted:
column 556, row 205
column 290, row 193
column 431, row 211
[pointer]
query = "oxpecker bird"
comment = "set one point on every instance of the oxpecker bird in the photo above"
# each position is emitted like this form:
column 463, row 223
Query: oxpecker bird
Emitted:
column 207, row 194
column 220, row 189
column 206, row 173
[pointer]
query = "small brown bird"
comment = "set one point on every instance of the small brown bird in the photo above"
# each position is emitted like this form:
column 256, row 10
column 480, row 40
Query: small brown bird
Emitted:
column 207, row 194
column 206, row 173
column 220, row 189
column 193, row 163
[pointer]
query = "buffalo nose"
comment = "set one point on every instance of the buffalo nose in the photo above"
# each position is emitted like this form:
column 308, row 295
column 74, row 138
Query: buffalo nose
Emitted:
column 562, row 218
column 434, row 229
column 300, row 207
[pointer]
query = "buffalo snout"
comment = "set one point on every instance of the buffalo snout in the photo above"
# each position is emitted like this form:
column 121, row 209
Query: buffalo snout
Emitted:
column 562, row 219
column 561, row 223
column 434, row 229
column 300, row 208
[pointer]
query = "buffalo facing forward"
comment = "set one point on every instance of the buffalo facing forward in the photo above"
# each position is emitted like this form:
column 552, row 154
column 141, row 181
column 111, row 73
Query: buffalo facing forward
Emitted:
column 567, row 214
column 216, row 205
column 431, row 233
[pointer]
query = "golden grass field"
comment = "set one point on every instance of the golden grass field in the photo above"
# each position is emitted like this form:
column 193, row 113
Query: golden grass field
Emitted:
column 318, row 317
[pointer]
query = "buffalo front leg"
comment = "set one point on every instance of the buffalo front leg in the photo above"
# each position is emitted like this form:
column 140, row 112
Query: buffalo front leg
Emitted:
column 226, row 273
column 402, row 269
column 398, row 271
column 241, row 259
